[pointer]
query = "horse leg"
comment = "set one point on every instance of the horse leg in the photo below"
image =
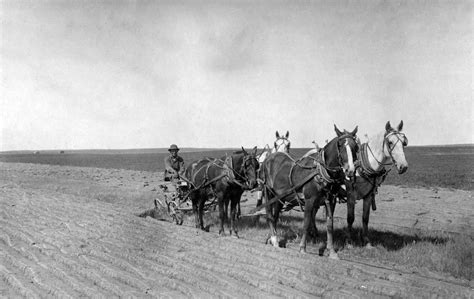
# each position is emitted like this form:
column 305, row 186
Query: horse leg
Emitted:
column 350, row 219
column 365, row 219
column 234, row 206
column 330, row 228
column 195, row 201
column 259, row 198
column 238, row 210
column 222, row 212
column 307, row 222
column 226, row 212
column 272, row 218
column 202, row 201
column 276, row 215
column 313, row 229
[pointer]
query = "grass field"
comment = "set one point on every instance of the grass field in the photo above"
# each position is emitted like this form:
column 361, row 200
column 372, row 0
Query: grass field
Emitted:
column 429, row 166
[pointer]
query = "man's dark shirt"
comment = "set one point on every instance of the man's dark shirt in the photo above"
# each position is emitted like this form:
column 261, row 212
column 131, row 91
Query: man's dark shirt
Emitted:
column 174, row 167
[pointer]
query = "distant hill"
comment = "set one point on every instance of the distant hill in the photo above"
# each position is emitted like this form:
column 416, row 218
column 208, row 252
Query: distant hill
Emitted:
column 114, row 151
column 182, row 150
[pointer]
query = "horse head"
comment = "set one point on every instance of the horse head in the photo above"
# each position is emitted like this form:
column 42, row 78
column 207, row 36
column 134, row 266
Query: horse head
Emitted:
column 249, row 167
column 394, row 145
column 282, row 144
column 345, row 146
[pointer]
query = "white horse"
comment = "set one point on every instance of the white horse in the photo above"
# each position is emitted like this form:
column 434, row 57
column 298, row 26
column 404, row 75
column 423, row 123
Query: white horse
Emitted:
column 383, row 150
column 281, row 144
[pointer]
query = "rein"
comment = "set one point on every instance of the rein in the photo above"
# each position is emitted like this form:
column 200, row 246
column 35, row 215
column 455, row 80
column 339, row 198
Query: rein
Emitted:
column 365, row 169
column 265, row 149
column 320, row 172
column 365, row 160
column 397, row 134
column 234, row 172
column 230, row 172
column 320, row 165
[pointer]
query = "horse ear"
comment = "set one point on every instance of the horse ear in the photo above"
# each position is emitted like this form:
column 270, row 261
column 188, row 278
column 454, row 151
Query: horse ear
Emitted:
column 400, row 126
column 388, row 127
column 339, row 133
column 243, row 149
column 255, row 150
column 353, row 133
column 277, row 134
column 287, row 134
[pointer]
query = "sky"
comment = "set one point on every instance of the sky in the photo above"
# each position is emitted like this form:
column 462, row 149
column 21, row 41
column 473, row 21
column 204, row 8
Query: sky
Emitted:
column 145, row 74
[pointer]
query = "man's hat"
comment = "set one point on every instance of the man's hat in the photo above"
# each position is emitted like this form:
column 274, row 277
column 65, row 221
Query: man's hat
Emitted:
column 173, row 147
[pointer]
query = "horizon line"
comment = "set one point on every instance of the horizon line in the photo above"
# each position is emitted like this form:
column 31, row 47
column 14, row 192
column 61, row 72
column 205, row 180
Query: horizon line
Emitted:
column 194, row 148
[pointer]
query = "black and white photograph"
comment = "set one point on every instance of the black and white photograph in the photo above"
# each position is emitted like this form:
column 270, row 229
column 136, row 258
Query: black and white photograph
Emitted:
column 236, row 149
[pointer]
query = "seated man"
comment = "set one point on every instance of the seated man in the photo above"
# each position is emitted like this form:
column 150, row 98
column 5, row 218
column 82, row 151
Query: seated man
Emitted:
column 174, row 164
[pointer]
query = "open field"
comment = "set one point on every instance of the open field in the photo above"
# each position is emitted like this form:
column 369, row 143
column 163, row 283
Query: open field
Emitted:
column 429, row 166
column 74, row 231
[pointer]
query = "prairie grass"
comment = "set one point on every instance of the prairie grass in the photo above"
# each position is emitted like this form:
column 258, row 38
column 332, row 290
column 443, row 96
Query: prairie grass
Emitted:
column 451, row 254
column 409, row 250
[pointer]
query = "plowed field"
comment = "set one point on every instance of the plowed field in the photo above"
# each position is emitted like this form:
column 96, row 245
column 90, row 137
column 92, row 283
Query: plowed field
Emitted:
column 72, row 232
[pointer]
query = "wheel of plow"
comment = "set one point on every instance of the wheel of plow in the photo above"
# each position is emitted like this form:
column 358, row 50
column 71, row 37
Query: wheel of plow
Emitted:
column 175, row 213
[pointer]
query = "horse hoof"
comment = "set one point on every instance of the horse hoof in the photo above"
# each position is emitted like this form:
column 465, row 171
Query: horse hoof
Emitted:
column 333, row 255
column 274, row 241
column 349, row 246
column 302, row 250
column 369, row 246
column 321, row 251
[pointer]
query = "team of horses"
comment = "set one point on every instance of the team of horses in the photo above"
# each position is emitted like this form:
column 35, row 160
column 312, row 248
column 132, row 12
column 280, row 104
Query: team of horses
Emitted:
column 343, row 168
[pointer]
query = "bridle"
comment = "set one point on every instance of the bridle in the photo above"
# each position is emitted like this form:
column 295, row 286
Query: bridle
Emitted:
column 228, row 167
column 346, row 143
column 322, row 161
column 283, row 141
column 241, row 173
column 403, row 140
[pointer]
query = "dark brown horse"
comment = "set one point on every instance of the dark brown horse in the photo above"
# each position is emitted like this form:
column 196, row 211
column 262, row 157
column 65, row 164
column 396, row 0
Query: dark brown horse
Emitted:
column 383, row 150
column 224, row 179
column 308, row 181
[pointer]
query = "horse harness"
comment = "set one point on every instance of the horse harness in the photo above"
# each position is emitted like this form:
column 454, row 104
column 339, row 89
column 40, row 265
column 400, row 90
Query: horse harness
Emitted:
column 375, row 178
column 365, row 171
column 229, row 172
column 320, row 174
column 363, row 165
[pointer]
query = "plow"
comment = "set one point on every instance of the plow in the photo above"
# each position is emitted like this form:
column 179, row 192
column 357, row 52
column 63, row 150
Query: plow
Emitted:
column 176, row 200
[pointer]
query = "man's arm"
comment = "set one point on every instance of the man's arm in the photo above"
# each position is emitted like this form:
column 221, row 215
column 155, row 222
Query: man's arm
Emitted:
column 168, row 166
column 181, row 167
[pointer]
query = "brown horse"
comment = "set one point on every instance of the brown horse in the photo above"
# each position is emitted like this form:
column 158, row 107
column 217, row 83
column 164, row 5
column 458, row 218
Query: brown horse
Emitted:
column 308, row 181
column 385, row 149
column 225, row 179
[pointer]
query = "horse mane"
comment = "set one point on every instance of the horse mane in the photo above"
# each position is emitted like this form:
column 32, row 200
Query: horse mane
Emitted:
column 332, row 143
column 376, row 142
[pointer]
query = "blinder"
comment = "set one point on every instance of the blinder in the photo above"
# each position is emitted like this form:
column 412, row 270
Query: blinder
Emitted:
column 246, row 163
column 342, row 141
column 400, row 138
column 283, row 139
